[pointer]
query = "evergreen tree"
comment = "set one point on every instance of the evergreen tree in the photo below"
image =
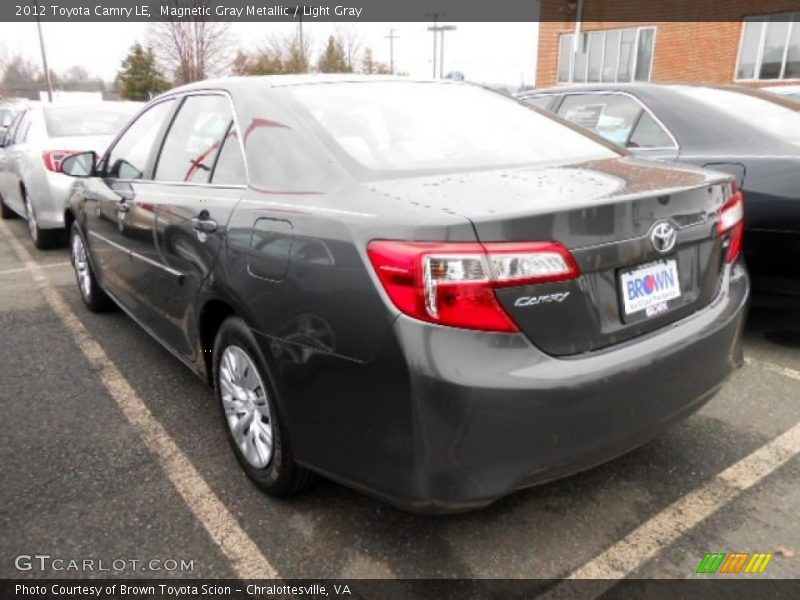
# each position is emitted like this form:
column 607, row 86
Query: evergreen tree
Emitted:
column 333, row 59
column 139, row 77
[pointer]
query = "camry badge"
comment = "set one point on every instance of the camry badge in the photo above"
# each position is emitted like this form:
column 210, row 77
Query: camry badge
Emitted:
column 663, row 237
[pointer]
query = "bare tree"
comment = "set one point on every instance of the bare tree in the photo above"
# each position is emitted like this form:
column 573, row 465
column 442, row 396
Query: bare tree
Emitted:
column 293, row 52
column 351, row 41
column 191, row 50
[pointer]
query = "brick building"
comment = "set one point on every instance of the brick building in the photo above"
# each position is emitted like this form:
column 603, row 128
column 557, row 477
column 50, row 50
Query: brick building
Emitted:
column 711, row 41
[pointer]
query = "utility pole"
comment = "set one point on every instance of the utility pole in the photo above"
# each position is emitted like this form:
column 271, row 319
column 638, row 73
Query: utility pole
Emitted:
column 435, row 17
column 44, row 57
column 440, row 30
column 299, row 11
column 391, row 37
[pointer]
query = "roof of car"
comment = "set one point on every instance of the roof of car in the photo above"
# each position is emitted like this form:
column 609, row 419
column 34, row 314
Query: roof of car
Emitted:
column 600, row 87
column 289, row 80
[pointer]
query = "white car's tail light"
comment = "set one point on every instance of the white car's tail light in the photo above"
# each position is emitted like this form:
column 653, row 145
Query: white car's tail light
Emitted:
column 453, row 283
column 52, row 158
column 731, row 222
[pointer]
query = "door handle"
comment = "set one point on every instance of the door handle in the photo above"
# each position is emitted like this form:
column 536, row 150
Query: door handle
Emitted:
column 204, row 225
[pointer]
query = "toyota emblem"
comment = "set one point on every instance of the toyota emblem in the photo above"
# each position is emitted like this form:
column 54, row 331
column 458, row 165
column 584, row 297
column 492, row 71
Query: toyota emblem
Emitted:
column 663, row 237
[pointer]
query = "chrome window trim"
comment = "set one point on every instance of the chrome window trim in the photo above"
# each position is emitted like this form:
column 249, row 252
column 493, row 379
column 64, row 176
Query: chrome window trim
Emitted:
column 644, row 106
column 179, row 96
column 183, row 95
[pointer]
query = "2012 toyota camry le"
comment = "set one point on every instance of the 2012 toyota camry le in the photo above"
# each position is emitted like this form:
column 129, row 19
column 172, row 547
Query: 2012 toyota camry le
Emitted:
column 427, row 291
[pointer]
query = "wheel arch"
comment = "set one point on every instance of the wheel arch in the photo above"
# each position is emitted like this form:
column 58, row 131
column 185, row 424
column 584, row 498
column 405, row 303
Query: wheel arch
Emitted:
column 212, row 314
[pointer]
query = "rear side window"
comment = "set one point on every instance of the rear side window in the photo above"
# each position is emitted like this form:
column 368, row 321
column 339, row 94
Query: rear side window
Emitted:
column 21, row 133
column 128, row 158
column 649, row 134
column 229, row 169
column 539, row 101
column 194, row 139
column 620, row 119
column 12, row 129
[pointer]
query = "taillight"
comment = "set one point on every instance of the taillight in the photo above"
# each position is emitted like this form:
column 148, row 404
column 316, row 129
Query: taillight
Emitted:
column 731, row 222
column 453, row 283
column 52, row 158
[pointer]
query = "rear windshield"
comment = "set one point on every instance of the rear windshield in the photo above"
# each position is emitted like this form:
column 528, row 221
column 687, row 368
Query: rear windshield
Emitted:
column 97, row 119
column 774, row 115
column 407, row 126
column 6, row 116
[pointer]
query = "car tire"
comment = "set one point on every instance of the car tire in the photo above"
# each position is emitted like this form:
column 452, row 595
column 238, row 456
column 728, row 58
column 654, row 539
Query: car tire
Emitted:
column 246, row 396
column 5, row 211
column 43, row 239
column 93, row 296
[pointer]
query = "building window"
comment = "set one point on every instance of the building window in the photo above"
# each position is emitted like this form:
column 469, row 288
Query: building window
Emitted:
column 770, row 47
column 608, row 56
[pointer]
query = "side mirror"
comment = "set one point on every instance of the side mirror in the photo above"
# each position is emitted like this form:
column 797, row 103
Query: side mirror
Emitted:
column 83, row 164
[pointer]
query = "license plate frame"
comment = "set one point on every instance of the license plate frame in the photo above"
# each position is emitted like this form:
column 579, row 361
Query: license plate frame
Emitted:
column 647, row 290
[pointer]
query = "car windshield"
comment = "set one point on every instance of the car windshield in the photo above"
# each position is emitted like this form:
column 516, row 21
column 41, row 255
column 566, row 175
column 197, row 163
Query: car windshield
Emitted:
column 776, row 116
column 408, row 126
column 97, row 119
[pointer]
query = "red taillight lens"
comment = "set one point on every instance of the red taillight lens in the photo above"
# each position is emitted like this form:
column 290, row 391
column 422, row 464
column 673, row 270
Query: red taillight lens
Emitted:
column 453, row 283
column 52, row 158
column 731, row 222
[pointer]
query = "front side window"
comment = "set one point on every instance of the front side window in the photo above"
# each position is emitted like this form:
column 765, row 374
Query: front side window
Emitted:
column 194, row 139
column 607, row 56
column 618, row 118
column 770, row 47
column 129, row 156
column 404, row 126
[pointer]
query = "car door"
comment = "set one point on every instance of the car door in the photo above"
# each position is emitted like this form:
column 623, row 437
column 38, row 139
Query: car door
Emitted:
column 622, row 119
column 118, row 219
column 9, row 185
column 14, row 162
column 199, row 178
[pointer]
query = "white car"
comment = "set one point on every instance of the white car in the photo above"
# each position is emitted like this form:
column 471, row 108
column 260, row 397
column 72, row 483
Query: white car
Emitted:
column 788, row 91
column 34, row 145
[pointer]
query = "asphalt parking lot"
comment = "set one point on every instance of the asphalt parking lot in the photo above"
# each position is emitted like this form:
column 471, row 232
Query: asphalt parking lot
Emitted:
column 112, row 449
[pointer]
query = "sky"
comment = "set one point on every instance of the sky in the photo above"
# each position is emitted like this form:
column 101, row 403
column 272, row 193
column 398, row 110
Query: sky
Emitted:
column 501, row 53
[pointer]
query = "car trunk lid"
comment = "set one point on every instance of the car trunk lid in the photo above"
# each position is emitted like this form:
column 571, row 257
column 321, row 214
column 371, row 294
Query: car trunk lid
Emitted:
column 609, row 214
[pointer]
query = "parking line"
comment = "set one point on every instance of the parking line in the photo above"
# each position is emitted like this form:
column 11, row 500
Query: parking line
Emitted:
column 647, row 540
column 26, row 270
column 779, row 369
column 246, row 558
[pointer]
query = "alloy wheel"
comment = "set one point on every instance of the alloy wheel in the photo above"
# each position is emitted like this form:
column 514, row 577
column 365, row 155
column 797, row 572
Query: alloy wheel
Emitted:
column 81, row 265
column 244, row 399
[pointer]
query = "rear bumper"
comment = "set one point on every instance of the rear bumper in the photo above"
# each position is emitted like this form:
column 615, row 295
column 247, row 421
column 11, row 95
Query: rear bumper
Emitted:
column 489, row 413
column 49, row 196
